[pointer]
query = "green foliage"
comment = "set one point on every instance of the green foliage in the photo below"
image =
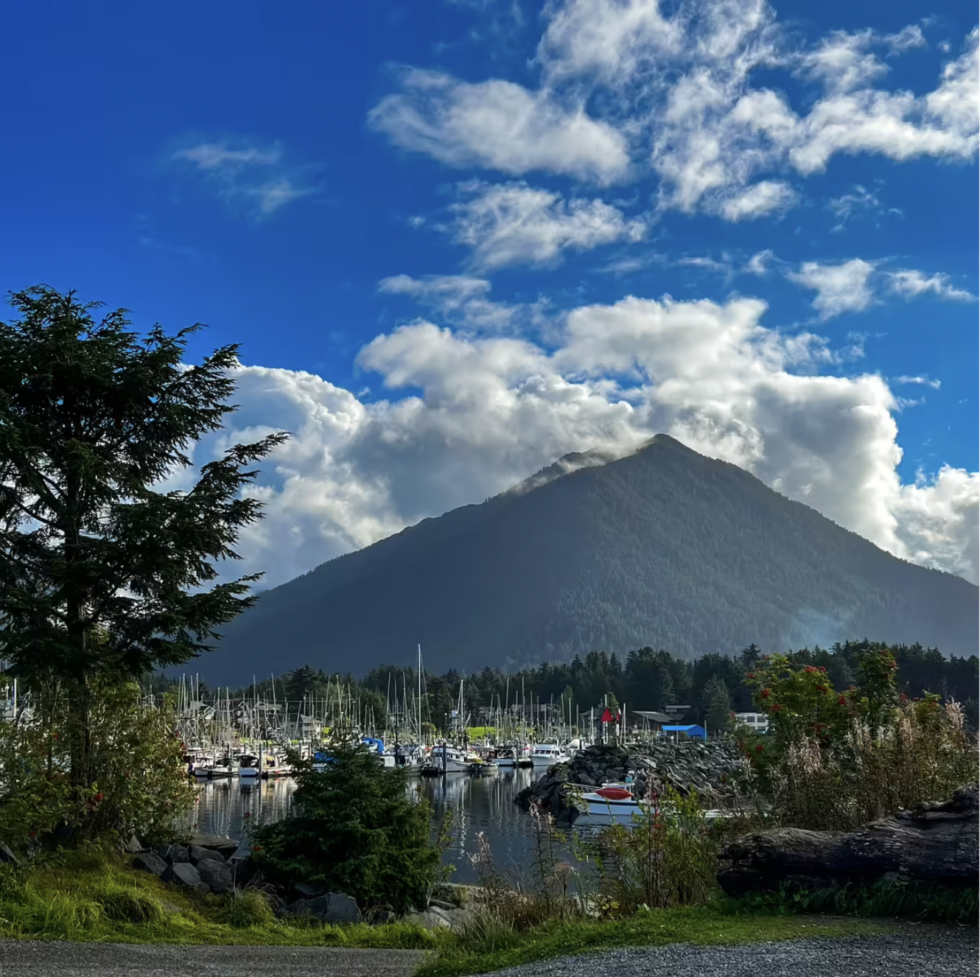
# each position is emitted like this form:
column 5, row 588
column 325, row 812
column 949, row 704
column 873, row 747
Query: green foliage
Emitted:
column 102, row 575
column 666, row 858
column 837, row 759
column 719, row 705
column 882, row 899
column 139, row 782
column 354, row 831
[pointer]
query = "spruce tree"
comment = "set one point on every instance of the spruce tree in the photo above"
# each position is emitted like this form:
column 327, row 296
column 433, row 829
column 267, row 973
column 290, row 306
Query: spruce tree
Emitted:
column 92, row 419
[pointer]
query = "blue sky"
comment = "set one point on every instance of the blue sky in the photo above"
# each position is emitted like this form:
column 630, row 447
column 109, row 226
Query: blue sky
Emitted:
column 500, row 195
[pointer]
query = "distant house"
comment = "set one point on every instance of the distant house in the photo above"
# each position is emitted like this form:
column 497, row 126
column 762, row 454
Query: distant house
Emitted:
column 649, row 719
column 756, row 721
column 685, row 732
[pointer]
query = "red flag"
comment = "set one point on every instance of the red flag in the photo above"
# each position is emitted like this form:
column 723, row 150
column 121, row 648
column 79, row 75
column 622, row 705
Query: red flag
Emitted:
column 606, row 717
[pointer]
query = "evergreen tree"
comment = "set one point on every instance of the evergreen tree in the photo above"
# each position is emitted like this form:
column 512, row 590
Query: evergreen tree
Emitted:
column 102, row 574
column 303, row 683
column 718, row 702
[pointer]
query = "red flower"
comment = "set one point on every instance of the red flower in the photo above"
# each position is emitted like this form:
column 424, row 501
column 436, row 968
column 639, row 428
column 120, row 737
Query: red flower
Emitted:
column 32, row 835
column 842, row 701
column 759, row 748
column 54, row 736
column 765, row 693
column 822, row 669
column 902, row 697
column 822, row 688
column 750, row 674
column 98, row 798
column 256, row 848
column 776, row 707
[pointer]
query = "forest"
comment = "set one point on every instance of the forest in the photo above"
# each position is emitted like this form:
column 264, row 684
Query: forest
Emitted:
column 712, row 686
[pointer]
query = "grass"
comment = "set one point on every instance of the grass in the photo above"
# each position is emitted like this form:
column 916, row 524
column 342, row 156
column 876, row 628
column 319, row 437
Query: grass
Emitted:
column 97, row 899
column 497, row 948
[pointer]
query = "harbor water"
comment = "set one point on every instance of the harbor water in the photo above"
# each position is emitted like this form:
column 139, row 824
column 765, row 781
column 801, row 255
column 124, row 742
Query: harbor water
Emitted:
column 479, row 804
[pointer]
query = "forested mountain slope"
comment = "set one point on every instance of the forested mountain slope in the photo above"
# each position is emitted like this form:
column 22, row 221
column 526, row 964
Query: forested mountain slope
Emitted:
column 663, row 548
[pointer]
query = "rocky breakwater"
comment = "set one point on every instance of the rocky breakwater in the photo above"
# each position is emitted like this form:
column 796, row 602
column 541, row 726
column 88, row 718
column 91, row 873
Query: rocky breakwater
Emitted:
column 204, row 864
column 707, row 768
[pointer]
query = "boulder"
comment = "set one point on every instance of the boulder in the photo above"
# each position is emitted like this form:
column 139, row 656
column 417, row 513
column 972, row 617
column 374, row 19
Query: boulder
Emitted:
column 936, row 844
column 173, row 853
column 331, row 907
column 198, row 854
column 430, row 920
column 132, row 846
column 306, row 890
column 182, row 873
column 227, row 846
column 150, row 861
column 215, row 873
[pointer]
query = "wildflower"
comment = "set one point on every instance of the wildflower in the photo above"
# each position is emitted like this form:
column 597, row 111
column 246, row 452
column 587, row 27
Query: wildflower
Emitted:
column 776, row 707
column 750, row 674
column 822, row 688
column 818, row 727
column 759, row 748
column 256, row 848
column 54, row 736
column 822, row 669
column 98, row 797
column 32, row 835
column 765, row 693
column 902, row 697
column 842, row 701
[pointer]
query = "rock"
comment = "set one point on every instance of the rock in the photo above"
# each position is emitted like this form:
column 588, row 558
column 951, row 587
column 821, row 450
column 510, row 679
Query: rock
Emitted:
column 132, row 846
column 215, row 873
column 203, row 888
column 151, row 862
column 221, row 843
column 173, row 853
column 182, row 873
column 933, row 845
column 439, row 904
column 198, row 854
column 306, row 890
column 7, row 857
column 382, row 916
column 243, row 870
column 429, row 919
column 331, row 907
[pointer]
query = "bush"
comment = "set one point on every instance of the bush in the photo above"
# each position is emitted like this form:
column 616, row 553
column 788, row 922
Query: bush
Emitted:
column 833, row 760
column 667, row 858
column 354, row 831
column 139, row 782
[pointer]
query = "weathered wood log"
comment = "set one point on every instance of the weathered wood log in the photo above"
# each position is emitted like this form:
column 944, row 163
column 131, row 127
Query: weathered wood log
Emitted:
column 937, row 843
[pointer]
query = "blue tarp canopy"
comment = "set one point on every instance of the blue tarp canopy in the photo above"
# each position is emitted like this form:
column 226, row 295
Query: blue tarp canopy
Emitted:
column 695, row 731
column 370, row 741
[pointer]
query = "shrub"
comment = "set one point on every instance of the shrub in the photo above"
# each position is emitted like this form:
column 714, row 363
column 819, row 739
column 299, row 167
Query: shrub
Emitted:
column 354, row 831
column 833, row 760
column 667, row 858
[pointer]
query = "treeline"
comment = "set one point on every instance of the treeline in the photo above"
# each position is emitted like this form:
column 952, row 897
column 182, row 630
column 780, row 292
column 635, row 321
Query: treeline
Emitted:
column 645, row 679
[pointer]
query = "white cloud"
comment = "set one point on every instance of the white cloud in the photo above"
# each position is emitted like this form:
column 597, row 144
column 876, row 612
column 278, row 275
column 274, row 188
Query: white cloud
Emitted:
column 499, row 125
column 672, row 92
column 493, row 410
column 249, row 179
column 840, row 288
column 924, row 381
column 759, row 200
column 458, row 299
column 910, row 284
column 759, row 263
column 518, row 224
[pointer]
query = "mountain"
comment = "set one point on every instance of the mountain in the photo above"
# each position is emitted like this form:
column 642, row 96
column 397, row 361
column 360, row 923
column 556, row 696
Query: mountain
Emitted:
column 664, row 548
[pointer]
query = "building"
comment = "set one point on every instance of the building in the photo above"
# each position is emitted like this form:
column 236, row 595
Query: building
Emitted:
column 648, row 719
column 758, row 722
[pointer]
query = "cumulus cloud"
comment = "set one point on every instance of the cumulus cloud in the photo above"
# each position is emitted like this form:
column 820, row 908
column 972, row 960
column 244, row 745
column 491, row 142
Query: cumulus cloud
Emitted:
column 910, row 284
column 468, row 416
column 840, row 288
column 499, row 125
column 673, row 92
column 251, row 180
column 518, row 224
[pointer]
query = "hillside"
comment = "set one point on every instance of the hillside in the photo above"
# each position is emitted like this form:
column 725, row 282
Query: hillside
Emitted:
column 663, row 548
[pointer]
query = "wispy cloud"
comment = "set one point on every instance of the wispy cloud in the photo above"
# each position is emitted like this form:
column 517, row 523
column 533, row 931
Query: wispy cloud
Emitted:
column 860, row 201
column 183, row 251
column 909, row 284
column 921, row 381
column 251, row 180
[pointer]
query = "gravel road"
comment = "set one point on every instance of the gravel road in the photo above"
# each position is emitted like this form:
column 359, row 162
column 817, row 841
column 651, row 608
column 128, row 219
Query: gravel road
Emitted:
column 935, row 951
column 930, row 951
column 20, row 958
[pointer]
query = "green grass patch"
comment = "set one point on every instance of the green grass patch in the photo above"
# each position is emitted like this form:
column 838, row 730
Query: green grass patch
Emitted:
column 97, row 899
column 495, row 948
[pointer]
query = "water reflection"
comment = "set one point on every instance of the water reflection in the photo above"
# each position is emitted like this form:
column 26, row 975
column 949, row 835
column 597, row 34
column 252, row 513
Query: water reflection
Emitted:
column 478, row 804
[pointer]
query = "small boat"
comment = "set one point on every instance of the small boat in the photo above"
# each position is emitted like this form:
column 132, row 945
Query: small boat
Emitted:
column 248, row 767
column 545, row 755
column 505, row 757
column 448, row 759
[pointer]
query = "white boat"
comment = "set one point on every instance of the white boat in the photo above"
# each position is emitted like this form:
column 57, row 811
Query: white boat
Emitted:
column 506, row 757
column 248, row 767
column 449, row 759
column 545, row 755
column 616, row 803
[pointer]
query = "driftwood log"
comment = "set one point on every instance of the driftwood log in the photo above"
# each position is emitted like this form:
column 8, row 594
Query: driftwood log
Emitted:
column 936, row 844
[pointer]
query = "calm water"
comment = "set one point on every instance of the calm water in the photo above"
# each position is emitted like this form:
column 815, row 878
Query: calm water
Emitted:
column 478, row 804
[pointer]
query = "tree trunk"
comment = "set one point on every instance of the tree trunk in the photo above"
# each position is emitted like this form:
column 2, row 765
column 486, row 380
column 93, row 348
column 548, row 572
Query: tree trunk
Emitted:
column 935, row 844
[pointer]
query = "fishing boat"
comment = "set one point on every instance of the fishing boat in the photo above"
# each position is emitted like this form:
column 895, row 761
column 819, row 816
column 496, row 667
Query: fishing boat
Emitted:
column 448, row 759
column 505, row 757
column 547, row 755
column 249, row 767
